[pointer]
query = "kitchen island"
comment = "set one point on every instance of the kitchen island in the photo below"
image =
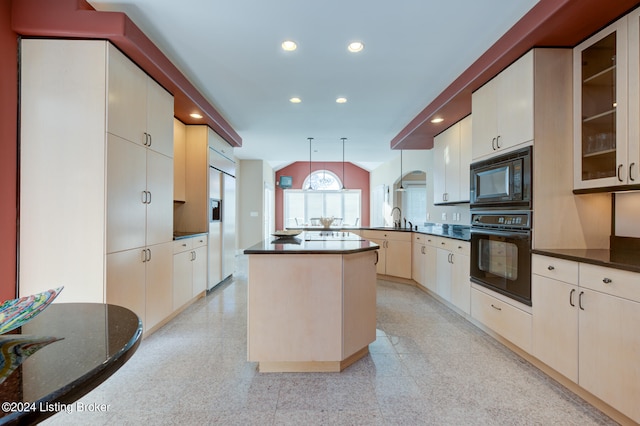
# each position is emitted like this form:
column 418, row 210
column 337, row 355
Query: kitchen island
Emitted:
column 312, row 302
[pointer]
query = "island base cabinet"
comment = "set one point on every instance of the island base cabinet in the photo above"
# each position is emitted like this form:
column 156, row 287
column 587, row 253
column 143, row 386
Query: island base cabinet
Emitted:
column 609, row 361
column 310, row 312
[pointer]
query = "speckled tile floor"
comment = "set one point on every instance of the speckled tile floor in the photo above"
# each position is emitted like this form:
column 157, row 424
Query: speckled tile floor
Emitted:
column 428, row 366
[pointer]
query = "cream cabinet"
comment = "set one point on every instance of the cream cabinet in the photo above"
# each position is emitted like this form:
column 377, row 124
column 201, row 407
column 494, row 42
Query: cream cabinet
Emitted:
column 94, row 177
column 138, row 106
column 140, row 279
column 179, row 160
column 554, row 291
column 600, row 109
column 423, row 261
column 394, row 255
column 189, row 269
column 503, row 109
column 581, row 328
column 418, row 259
column 460, row 284
column 452, row 272
column 452, row 157
column 502, row 316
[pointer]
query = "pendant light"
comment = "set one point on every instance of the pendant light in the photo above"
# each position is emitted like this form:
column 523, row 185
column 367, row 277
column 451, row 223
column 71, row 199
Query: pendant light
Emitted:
column 309, row 188
column 344, row 188
column 401, row 189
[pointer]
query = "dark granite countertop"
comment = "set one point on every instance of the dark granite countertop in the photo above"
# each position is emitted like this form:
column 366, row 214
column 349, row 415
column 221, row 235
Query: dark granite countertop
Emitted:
column 97, row 339
column 628, row 260
column 312, row 242
column 458, row 232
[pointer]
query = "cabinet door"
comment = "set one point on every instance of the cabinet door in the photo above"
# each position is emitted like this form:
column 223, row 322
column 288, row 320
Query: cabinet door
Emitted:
column 127, row 101
column 443, row 274
column 126, row 183
column 485, row 130
column 159, row 283
column 440, row 151
column 600, row 108
column 515, row 103
column 159, row 118
column 460, row 285
column 199, row 264
column 633, row 153
column 398, row 258
column 160, row 207
column 182, row 278
column 609, row 347
column 452, row 165
column 466, row 129
column 430, row 267
column 417, row 263
column 126, row 280
column 555, row 324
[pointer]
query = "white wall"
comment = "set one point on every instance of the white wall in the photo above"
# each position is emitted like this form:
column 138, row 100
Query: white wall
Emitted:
column 252, row 177
column 389, row 173
column 627, row 214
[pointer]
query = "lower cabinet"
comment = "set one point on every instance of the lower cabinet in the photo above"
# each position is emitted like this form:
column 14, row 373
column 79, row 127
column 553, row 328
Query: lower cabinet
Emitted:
column 583, row 327
column 189, row 269
column 505, row 319
column 452, row 272
column 418, row 259
column 140, row 280
column 394, row 255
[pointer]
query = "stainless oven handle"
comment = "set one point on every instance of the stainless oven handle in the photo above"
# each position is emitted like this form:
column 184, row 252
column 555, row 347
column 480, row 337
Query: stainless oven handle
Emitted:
column 511, row 233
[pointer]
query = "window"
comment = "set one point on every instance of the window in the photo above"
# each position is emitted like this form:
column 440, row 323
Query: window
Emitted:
column 325, row 200
column 414, row 204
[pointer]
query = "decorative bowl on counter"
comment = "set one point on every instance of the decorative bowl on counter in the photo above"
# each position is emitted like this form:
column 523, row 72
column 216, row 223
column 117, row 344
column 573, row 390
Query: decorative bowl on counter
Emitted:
column 326, row 222
column 286, row 233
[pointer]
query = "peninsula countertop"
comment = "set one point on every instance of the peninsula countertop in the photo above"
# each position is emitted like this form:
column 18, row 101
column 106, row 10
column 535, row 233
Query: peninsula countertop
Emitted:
column 314, row 242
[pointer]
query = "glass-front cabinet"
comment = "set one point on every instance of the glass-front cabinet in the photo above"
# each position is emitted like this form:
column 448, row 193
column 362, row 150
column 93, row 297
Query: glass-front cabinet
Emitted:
column 607, row 107
column 600, row 109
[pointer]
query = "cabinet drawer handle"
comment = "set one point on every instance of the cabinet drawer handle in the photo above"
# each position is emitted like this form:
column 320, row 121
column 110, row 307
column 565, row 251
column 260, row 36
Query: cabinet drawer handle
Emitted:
column 150, row 140
column 377, row 258
column 493, row 144
column 580, row 300
column 571, row 297
column 184, row 245
column 618, row 173
column 498, row 142
column 607, row 281
column 496, row 307
column 442, row 242
column 630, row 167
column 551, row 268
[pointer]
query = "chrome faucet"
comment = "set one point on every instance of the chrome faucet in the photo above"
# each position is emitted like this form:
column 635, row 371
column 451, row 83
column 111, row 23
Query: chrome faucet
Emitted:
column 396, row 223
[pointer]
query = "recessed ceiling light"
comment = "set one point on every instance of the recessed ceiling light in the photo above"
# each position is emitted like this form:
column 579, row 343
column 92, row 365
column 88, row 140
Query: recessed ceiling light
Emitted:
column 355, row 46
column 341, row 100
column 289, row 45
column 437, row 120
column 295, row 100
column 196, row 115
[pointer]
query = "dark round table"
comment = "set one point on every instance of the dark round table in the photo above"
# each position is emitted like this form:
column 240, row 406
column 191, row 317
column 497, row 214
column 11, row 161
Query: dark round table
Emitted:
column 97, row 340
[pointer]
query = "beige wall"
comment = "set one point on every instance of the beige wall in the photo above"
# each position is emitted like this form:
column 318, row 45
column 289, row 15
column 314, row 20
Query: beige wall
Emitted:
column 389, row 173
column 253, row 175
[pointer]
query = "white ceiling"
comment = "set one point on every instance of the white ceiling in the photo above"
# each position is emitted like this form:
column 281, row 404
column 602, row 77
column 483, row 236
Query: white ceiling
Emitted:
column 230, row 50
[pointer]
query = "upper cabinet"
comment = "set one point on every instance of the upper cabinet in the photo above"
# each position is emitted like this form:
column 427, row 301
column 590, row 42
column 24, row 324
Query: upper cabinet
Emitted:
column 503, row 109
column 600, row 109
column 452, row 156
column 138, row 106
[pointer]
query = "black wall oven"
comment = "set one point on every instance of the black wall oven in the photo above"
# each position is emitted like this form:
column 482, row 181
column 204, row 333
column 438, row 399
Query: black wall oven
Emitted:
column 501, row 252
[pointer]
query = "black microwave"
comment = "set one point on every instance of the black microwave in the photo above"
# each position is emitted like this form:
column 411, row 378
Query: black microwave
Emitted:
column 503, row 181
